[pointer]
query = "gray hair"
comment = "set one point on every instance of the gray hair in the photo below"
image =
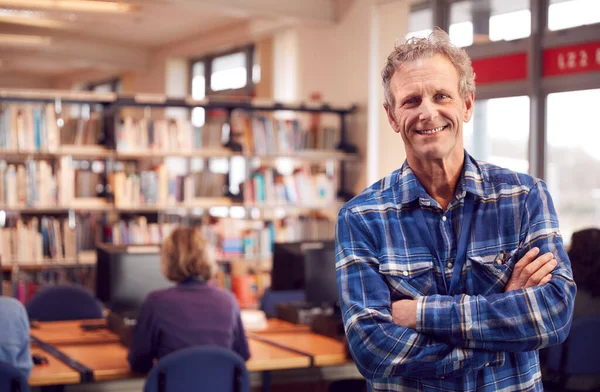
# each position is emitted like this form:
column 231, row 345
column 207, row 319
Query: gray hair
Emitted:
column 413, row 49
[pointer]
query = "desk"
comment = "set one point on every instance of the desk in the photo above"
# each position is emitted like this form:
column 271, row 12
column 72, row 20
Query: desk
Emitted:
column 54, row 373
column 324, row 350
column 70, row 332
column 278, row 326
column 280, row 346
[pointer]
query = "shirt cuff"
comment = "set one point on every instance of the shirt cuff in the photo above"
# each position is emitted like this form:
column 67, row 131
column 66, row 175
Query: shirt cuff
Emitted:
column 420, row 317
column 434, row 315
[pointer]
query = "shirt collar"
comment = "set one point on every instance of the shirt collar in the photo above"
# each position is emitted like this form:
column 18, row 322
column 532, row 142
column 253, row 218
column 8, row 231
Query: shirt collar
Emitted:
column 472, row 180
column 191, row 281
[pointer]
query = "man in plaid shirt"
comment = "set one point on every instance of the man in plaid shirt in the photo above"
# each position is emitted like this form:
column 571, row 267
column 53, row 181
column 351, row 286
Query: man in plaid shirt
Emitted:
column 452, row 272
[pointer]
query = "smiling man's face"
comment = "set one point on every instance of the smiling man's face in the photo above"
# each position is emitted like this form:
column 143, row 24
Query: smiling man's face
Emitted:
column 428, row 109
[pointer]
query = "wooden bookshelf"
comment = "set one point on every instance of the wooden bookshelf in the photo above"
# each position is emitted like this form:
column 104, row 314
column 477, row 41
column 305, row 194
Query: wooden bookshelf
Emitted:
column 144, row 170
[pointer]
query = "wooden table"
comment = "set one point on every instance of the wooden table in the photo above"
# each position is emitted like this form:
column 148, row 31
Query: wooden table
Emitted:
column 100, row 351
column 54, row 373
column 277, row 326
column 70, row 332
column 324, row 350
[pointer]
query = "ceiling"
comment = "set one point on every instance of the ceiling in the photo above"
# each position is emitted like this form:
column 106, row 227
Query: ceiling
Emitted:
column 50, row 43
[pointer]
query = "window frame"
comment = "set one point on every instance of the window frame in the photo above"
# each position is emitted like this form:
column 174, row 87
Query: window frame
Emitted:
column 244, row 92
column 536, row 86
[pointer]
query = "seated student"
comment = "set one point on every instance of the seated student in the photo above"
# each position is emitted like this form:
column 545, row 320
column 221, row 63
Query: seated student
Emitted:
column 193, row 313
column 14, row 335
column 584, row 254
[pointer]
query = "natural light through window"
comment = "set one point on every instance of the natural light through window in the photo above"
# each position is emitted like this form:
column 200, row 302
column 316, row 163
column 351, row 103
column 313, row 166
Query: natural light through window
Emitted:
column 566, row 14
column 228, row 72
column 198, row 92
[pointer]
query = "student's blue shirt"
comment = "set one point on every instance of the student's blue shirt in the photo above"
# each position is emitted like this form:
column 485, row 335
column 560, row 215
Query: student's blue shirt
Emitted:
column 14, row 335
column 478, row 337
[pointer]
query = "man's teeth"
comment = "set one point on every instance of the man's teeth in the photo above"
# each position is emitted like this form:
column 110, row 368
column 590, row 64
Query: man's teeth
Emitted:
column 432, row 131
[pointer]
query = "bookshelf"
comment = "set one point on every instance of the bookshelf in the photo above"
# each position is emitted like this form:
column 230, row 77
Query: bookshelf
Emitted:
column 97, row 167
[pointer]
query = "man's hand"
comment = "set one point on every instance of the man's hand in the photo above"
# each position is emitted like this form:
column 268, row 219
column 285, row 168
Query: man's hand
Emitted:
column 404, row 313
column 531, row 271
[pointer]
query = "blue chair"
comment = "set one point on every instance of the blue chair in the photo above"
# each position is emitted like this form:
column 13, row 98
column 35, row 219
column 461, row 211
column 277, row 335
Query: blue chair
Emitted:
column 201, row 368
column 11, row 379
column 64, row 302
column 578, row 355
column 271, row 299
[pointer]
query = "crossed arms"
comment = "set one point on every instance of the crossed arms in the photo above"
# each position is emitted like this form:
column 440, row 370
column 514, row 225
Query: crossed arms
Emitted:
column 453, row 334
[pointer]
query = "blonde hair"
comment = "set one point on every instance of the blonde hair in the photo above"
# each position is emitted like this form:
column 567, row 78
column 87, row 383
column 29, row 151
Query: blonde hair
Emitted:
column 413, row 49
column 185, row 255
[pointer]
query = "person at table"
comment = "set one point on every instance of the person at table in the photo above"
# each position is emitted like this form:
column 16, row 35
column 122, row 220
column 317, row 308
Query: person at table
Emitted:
column 193, row 313
column 14, row 335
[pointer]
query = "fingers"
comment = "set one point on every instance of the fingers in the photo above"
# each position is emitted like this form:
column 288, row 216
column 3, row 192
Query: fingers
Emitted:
column 535, row 266
column 545, row 280
column 525, row 260
column 541, row 273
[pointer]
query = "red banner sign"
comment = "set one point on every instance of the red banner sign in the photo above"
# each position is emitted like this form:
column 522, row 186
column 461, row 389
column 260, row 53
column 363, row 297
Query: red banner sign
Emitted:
column 572, row 59
column 499, row 69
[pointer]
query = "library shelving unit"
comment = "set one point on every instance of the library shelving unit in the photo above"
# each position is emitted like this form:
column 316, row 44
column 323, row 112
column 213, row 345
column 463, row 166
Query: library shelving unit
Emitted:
column 78, row 169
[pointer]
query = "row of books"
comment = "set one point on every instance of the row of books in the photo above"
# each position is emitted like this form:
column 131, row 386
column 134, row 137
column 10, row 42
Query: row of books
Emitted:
column 38, row 128
column 137, row 231
column 38, row 240
column 268, row 186
column 165, row 135
column 305, row 228
column 265, row 135
column 28, row 128
column 159, row 187
column 30, row 184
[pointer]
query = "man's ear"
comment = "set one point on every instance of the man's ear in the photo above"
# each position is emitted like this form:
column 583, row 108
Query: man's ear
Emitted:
column 390, row 117
column 469, row 103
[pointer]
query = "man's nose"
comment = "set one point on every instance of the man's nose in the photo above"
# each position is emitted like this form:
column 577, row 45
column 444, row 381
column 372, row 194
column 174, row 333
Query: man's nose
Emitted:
column 428, row 110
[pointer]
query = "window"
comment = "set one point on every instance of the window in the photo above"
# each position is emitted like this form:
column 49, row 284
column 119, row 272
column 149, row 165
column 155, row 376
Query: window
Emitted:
column 498, row 138
column 198, row 92
column 573, row 159
column 563, row 14
column 420, row 23
column 228, row 72
column 225, row 74
column 480, row 21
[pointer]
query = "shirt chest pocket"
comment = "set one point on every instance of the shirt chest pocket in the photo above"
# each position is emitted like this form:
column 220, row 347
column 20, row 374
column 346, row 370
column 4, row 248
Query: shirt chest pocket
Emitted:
column 408, row 277
column 491, row 272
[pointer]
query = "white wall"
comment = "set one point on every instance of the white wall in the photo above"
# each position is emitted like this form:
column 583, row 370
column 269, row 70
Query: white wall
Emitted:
column 343, row 63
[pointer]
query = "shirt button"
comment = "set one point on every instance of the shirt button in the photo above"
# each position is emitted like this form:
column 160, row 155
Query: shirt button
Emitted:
column 405, row 273
column 487, row 364
column 449, row 265
column 444, row 218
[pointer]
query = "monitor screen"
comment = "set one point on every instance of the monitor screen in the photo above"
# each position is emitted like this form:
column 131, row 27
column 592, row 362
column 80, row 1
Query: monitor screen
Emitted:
column 308, row 266
column 123, row 280
column 320, row 284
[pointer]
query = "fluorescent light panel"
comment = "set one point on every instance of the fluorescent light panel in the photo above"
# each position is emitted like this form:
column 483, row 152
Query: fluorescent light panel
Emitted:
column 32, row 21
column 24, row 40
column 71, row 5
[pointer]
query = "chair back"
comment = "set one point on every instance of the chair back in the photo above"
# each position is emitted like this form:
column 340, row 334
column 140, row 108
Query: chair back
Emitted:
column 64, row 302
column 271, row 299
column 11, row 379
column 577, row 356
column 201, row 368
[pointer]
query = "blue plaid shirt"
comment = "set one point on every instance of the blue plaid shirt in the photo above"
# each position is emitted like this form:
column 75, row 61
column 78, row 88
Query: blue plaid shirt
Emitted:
column 478, row 339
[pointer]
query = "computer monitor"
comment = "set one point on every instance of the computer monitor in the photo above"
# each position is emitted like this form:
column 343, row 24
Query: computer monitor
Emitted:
column 126, row 274
column 320, row 283
column 308, row 266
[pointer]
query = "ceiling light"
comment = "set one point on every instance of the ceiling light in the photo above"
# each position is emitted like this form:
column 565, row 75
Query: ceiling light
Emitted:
column 71, row 5
column 24, row 40
column 32, row 21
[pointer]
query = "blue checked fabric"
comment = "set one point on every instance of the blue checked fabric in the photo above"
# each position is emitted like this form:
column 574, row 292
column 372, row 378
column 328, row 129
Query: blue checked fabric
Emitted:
column 479, row 338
